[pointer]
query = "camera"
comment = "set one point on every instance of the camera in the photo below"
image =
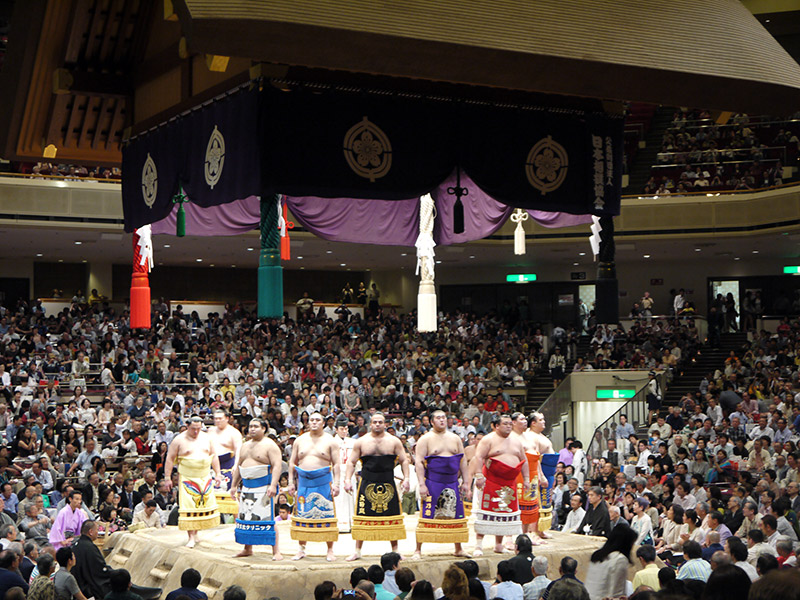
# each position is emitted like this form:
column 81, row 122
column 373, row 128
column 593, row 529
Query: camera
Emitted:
column 348, row 593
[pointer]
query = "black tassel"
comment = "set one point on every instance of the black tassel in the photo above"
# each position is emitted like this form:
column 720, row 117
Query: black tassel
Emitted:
column 458, row 216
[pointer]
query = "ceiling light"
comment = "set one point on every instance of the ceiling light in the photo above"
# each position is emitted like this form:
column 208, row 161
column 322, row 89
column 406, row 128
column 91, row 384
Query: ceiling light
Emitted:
column 199, row 260
column 301, row 268
column 755, row 251
column 78, row 243
column 233, row 266
column 299, row 257
column 60, row 260
column 404, row 254
column 342, row 264
column 167, row 246
column 737, row 258
column 472, row 256
column 697, row 249
column 647, row 256
column 438, row 262
column 250, row 249
column 84, row 260
column 328, row 251
column 581, row 253
column 211, row 265
column 575, row 264
column 38, row 254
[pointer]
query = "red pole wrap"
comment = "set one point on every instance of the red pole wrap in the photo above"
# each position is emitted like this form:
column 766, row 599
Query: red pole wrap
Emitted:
column 140, row 290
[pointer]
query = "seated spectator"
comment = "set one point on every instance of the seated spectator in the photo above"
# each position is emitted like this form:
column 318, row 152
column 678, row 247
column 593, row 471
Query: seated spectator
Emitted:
column 505, row 588
column 9, row 576
column 42, row 588
column 694, row 567
column 521, row 563
column 535, row 588
column 376, row 576
column 567, row 569
column 190, row 579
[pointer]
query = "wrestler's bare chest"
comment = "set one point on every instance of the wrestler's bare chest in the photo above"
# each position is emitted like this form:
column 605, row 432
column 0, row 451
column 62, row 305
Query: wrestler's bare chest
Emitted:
column 313, row 448
column 374, row 447
column 499, row 447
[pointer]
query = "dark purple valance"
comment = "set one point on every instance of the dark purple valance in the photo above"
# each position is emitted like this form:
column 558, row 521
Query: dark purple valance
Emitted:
column 381, row 222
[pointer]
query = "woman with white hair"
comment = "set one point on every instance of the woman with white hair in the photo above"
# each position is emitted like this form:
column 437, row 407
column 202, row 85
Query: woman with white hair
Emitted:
column 642, row 524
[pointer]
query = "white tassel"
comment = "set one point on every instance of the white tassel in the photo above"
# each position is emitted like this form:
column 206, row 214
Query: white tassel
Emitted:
column 594, row 238
column 146, row 244
column 426, row 297
column 519, row 216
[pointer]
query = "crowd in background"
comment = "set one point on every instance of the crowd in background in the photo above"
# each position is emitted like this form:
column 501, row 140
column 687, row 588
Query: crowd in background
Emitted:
column 88, row 405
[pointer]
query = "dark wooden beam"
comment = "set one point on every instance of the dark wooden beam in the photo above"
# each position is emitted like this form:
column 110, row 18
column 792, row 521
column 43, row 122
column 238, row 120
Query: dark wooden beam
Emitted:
column 116, row 124
column 74, row 119
column 92, row 34
column 104, row 119
column 163, row 62
column 81, row 17
column 127, row 28
column 73, row 81
column 111, row 31
column 15, row 77
column 91, row 116
column 188, row 104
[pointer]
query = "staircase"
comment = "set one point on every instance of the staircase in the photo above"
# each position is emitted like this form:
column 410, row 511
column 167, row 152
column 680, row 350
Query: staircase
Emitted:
column 646, row 157
column 706, row 361
column 539, row 389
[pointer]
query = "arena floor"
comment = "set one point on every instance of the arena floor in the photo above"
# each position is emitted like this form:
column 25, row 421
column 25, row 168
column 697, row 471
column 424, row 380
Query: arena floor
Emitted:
column 157, row 557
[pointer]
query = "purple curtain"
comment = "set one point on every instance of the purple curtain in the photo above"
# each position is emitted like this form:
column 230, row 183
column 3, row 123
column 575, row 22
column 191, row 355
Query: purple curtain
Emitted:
column 382, row 222
column 233, row 218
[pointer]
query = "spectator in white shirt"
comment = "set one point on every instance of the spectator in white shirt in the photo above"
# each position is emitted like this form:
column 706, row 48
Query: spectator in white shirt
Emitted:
column 575, row 515
column 761, row 430
column 683, row 496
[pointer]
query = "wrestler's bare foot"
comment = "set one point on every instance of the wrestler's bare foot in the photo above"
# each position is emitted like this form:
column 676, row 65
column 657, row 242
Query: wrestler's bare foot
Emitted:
column 300, row 555
column 245, row 552
column 461, row 554
column 331, row 557
column 544, row 535
column 416, row 556
column 277, row 556
column 353, row 556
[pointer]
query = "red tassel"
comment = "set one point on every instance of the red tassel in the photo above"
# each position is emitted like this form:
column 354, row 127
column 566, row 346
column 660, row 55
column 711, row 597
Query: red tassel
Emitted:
column 140, row 290
column 285, row 248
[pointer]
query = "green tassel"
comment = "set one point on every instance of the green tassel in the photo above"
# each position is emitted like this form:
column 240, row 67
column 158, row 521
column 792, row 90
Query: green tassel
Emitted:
column 181, row 220
column 179, row 199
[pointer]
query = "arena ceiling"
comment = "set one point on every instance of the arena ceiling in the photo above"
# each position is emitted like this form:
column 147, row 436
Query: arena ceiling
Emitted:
column 79, row 74
column 57, row 243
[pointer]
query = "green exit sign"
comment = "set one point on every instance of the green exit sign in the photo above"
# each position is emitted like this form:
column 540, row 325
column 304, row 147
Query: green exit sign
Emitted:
column 521, row 278
column 791, row 270
column 615, row 393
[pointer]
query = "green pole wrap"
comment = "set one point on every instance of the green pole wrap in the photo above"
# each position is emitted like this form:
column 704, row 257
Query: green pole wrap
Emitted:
column 270, row 271
column 181, row 221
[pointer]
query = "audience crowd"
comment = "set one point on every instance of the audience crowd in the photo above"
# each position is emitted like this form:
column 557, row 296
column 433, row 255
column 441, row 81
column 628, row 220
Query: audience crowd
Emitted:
column 88, row 409
column 699, row 155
